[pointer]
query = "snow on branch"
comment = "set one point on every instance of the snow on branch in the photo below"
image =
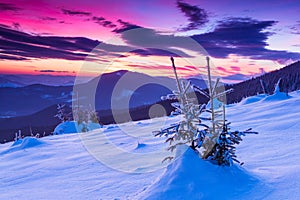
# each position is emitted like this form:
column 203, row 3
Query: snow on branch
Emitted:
column 208, row 135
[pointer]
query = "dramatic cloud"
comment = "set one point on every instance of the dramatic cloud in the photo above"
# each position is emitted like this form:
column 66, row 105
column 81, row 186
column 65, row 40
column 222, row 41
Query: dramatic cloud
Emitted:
column 197, row 16
column 153, row 42
column 8, row 7
column 9, row 57
column 239, row 36
column 17, row 45
column 150, row 38
column 48, row 18
column 98, row 20
column 242, row 34
column 159, row 52
column 76, row 12
column 51, row 71
column 244, row 37
column 103, row 22
column 125, row 26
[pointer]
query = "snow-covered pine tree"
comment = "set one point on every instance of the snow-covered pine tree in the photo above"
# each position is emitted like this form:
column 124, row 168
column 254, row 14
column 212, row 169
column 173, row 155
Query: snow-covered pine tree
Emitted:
column 61, row 115
column 213, row 141
column 223, row 152
column 80, row 115
column 92, row 115
column 186, row 131
column 216, row 95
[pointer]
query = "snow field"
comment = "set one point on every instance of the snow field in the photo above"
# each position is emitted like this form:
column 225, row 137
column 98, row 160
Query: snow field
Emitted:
column 124, row 162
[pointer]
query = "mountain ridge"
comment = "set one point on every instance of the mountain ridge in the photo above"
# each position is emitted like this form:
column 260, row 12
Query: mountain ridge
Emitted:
column 290, row 76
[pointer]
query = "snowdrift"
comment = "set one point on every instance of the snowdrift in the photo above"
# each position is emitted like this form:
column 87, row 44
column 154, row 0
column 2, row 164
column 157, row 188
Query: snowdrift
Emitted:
column 140, row 145
column 190, row 177
column 21, row 144
column 73, row 127
column 252, row 99
column 278, row 96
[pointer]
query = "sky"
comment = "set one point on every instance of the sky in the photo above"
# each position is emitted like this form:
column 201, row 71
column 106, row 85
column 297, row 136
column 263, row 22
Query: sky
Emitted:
column 87, row 38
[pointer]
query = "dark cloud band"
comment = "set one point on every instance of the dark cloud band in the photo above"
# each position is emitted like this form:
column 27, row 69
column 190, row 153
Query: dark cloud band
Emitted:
column 196, row 16
column 76, row 12
column 8, row 7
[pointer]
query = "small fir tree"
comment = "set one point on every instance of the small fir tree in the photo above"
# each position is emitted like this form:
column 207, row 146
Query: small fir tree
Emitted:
column 215, row 141
column 223, row 152
column 186, row 131
column 61, row 114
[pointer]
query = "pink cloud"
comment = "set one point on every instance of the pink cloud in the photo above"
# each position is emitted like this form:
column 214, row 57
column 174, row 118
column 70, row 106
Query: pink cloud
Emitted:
column 235, row 68
column 222, row 69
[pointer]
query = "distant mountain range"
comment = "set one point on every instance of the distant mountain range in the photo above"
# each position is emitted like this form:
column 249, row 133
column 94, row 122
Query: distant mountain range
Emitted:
column 30, row 99
column 235, row 78
column 21, row 80
column 119, row 88
column 5, row 81
column 38, row 102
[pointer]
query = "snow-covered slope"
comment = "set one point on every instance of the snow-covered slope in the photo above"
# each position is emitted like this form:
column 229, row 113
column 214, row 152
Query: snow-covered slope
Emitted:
column 89, row 166
column 189, row 177
column 73, row 127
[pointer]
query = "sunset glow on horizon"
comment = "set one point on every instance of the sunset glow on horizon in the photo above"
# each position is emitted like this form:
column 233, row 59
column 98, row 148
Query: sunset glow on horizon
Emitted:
column 61, row 37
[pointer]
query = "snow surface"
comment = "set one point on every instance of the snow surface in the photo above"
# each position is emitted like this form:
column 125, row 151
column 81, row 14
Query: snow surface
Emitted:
column 181, row 181
column 252, row 99
column 124, row 162
column 276, row 96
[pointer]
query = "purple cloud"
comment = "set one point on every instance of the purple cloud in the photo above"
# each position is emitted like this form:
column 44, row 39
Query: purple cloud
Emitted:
column 75, row 12
column 8, row 7
column 125, row 26
column 244, row 37
column 197, row 16
column 18, row 45
column 103, row 22
column 51, row 71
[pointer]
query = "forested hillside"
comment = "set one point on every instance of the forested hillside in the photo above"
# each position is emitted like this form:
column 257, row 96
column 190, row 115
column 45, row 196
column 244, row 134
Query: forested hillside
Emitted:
column 290, row 81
